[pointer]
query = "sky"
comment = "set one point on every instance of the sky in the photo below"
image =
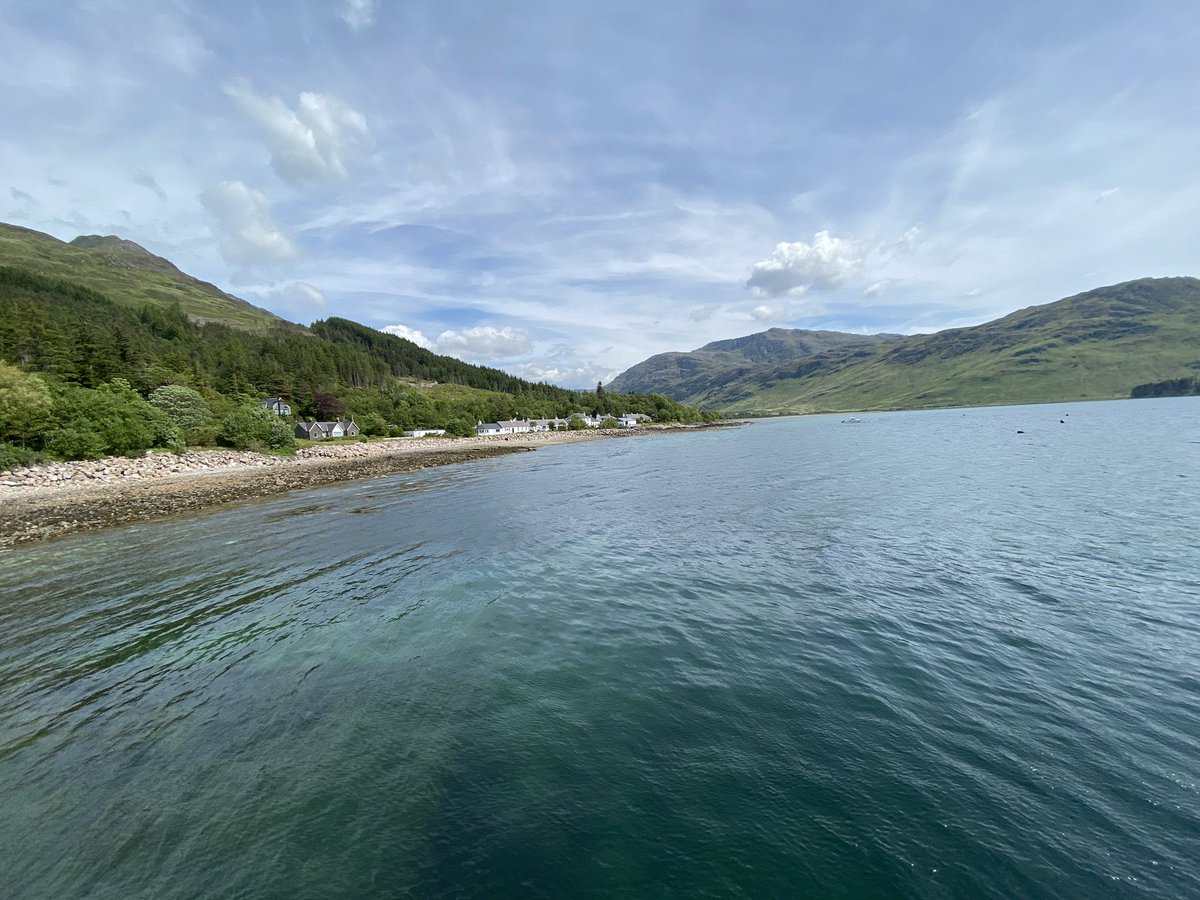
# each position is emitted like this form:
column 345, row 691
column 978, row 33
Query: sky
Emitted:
column 562, row 189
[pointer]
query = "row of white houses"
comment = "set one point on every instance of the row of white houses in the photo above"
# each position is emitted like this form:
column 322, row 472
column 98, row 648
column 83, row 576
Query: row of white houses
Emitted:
column 523, row 426
column 348, row 428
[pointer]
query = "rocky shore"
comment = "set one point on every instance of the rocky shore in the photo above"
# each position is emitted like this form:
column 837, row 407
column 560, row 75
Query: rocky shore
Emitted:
column 55, row 499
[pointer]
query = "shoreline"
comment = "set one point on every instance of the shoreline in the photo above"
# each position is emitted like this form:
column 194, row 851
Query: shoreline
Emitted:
column 54, row 500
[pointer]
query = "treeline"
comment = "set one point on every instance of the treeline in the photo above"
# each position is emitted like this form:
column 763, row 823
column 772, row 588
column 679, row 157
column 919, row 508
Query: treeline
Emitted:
column 1172, row 387
column 80, row 363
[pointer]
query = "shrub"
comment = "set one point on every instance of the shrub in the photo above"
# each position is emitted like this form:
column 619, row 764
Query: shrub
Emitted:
column 372, row 424
column 201, row 436
column 184, row 406
column 80, row 440
column 460, row 427
column 25, row 406
column 255, row 428
column 112, row 419
column 15, row 457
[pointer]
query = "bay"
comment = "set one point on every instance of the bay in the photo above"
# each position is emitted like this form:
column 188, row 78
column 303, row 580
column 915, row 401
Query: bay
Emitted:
column 922, row 655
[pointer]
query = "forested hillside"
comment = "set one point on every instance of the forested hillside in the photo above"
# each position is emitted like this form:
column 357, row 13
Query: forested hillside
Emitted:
column 87, row 376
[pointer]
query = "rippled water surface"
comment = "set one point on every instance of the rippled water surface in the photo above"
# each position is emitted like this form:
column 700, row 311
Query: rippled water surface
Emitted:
column 918, row 656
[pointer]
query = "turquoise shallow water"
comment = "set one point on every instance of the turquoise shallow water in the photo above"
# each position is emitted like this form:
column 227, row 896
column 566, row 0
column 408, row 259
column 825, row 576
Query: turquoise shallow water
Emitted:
column 919, row 656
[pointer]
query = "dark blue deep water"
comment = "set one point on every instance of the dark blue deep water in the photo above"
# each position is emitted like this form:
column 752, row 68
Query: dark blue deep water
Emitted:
column 920, row 656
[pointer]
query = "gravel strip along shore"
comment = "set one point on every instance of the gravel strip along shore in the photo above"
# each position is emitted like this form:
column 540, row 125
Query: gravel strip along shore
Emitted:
column 52, row 500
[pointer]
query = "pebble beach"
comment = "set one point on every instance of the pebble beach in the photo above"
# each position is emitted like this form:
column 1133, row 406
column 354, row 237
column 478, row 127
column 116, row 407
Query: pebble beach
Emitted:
column 55, row 499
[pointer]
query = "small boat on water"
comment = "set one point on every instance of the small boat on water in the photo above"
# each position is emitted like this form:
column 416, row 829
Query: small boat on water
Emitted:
column 853, row 420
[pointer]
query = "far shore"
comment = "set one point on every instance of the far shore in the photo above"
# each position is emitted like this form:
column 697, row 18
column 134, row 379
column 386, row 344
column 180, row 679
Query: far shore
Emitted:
column 56, row 499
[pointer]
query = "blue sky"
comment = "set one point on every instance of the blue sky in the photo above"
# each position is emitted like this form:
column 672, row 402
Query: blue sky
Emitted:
column 563, row 189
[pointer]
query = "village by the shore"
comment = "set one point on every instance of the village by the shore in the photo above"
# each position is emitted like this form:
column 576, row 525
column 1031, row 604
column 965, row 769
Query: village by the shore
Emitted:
column 343, row 428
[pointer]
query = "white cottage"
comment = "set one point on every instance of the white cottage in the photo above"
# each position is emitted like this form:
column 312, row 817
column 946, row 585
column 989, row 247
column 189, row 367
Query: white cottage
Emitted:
column 277, row 405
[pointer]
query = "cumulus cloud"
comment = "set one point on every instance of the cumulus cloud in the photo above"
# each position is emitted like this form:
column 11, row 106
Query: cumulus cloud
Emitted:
column 483, row 342
column 358, row 14
column 409, row 334
column 315, row 142
column 794, row 268
column 251, row 237
column 562, row 367
column 826, row 264
column 703, row 313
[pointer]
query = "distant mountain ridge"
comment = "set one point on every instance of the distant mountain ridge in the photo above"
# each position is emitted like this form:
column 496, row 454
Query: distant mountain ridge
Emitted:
column 1095, row 345
column 129, row 274
column 703, row 369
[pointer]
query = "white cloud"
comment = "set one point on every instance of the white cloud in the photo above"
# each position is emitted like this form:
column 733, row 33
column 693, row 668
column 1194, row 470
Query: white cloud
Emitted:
column 358, row 14
column 251, row 237
column 874, row 289
column 787, row 310
column 296, row 299
column 483, row 342
column 794, row 268
column 409, row 334
column 315, row 142
column 308, row 294
column 563, row 367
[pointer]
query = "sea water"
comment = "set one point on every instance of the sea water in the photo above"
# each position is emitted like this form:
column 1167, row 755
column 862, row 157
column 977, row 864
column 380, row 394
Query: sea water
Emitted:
column 924, row 655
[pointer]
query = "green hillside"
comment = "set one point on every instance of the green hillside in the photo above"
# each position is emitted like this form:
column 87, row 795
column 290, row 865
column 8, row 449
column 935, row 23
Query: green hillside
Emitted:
column 1096, row 345
column 130, row 275
column 82, row 376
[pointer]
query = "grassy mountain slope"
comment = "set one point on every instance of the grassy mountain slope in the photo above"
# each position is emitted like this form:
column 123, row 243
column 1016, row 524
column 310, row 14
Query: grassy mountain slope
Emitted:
column 1095, row 345
column 128, row 274
column 709, row 368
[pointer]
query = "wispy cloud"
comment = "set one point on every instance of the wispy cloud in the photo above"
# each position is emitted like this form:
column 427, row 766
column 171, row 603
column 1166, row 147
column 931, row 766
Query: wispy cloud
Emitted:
column 249, row 235
column 314, row 142
column 150, row 183
column 358, row 14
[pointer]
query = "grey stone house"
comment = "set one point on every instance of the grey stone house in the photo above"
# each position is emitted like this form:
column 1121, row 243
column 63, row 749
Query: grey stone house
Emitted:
column 315, row 431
